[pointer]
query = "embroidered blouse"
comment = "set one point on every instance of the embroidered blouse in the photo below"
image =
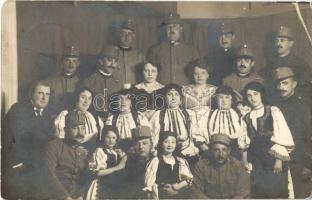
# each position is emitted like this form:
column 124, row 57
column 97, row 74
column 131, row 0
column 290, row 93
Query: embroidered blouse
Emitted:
column 151, row 89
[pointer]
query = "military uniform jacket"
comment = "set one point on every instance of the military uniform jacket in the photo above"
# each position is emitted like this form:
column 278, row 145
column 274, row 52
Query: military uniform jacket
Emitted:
column 238, row 82
column 173, row 60
column 223, row 63
column 221, row 182
column 65, row 168
column 128, row 65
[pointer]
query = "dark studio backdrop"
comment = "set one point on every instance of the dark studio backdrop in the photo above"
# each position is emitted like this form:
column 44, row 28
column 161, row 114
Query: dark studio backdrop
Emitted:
column 44, row 29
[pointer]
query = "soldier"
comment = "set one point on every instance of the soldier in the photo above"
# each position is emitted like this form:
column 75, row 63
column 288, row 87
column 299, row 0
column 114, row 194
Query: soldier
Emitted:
column 173, row 55
column 64, row 84
column 66, row 160
column 244, row 74
column 220, row 176
column 129, row 58
column 104, row 81
column 136, row 163
column 296, row 112
column 26, row 131
column 223, row 58
column 284, row 43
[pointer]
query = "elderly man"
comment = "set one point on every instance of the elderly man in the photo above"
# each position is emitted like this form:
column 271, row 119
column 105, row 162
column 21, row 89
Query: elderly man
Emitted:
column 295, row 108
column 26, row 130
column 244, row 74
column 220, row 176
column 66, row 160
column 64, row 84
column 173, row 55
column 136, row 163
column 129, row 57
column 223, row 58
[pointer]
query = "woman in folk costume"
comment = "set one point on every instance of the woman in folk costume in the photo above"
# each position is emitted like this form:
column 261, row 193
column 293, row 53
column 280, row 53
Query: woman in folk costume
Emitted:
column 125, row 115
column 105, row 164
column 167, row 176
column 150, row 84
column 271, row 143
column 83, row 100
column 198, row 97
column 176, row 119
column 224, row 119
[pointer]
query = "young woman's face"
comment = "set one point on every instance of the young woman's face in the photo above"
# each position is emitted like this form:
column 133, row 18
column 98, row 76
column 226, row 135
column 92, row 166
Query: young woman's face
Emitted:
column 224, row 101
column 200, row 76
column 124, row 103
column 169, row 145
column 173, row 99
column 254, row 98
column 84, row 100
column 110, row 139
column 150, row 73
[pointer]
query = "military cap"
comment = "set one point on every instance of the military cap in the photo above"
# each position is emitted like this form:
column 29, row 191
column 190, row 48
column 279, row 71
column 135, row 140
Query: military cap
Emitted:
column 172, row 18
column 141, row 132
column 72, row 51
column 282, row 73
column 220, row 139
column 75, row 118
column 284, row 31
column 127, row 25
column 225, row 28
column 110, row 51
column 245, row 51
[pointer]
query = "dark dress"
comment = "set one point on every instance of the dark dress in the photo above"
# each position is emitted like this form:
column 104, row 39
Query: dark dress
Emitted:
column 265, row 184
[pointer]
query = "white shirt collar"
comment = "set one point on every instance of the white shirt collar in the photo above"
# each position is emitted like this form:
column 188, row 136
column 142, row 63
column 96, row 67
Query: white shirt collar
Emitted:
column 104, row 73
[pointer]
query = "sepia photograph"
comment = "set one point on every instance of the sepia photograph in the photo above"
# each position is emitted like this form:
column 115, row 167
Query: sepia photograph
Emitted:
column 156, row 100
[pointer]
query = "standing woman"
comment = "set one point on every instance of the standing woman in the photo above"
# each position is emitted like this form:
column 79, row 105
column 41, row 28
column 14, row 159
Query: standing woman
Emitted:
column 271, row 143
column 167, row 176
column 82, row 101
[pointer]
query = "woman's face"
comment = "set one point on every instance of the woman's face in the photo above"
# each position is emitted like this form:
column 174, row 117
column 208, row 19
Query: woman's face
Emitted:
column 254, row 98
column 224, row 101
column 150, row 73
column 124, row 104
column 110, row 139
column 84, row 100
column 173, row 99
column 169, row 145
column 200, row 76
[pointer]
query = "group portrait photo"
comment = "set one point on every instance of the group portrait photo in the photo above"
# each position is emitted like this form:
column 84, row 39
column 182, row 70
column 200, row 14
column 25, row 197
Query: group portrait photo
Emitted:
column 156, row 100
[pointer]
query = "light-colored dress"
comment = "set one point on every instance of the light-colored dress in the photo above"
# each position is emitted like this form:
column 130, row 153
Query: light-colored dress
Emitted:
column 150, row 177
column 91, row 125
column 180, row 122
column 195, row 98
column 126, row 122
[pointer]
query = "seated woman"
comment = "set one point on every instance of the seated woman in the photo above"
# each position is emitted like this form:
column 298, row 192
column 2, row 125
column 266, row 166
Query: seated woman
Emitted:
column 150, row 85
column 224, row 119
column 106, row 162
column 125, row 116
column 198, row 95
column 167, row 176
column 176, row 119
column 83, row 100
column 271, row 143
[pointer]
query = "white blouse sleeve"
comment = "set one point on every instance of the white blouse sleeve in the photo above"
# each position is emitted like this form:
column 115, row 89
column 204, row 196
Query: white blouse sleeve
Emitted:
column 59, row 124
column 282, row 138
column 155, row 128
column 91, row 123
column 98, row 160
column 243, row 139
column 109, row 120
column 150, row 175
column 184, row 171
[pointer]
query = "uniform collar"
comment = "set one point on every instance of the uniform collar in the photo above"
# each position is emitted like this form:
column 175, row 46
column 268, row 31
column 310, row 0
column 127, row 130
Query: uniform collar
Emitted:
column 104, row 73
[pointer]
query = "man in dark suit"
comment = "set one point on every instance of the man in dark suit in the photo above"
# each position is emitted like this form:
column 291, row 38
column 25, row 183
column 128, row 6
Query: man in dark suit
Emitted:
column 27, row 128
